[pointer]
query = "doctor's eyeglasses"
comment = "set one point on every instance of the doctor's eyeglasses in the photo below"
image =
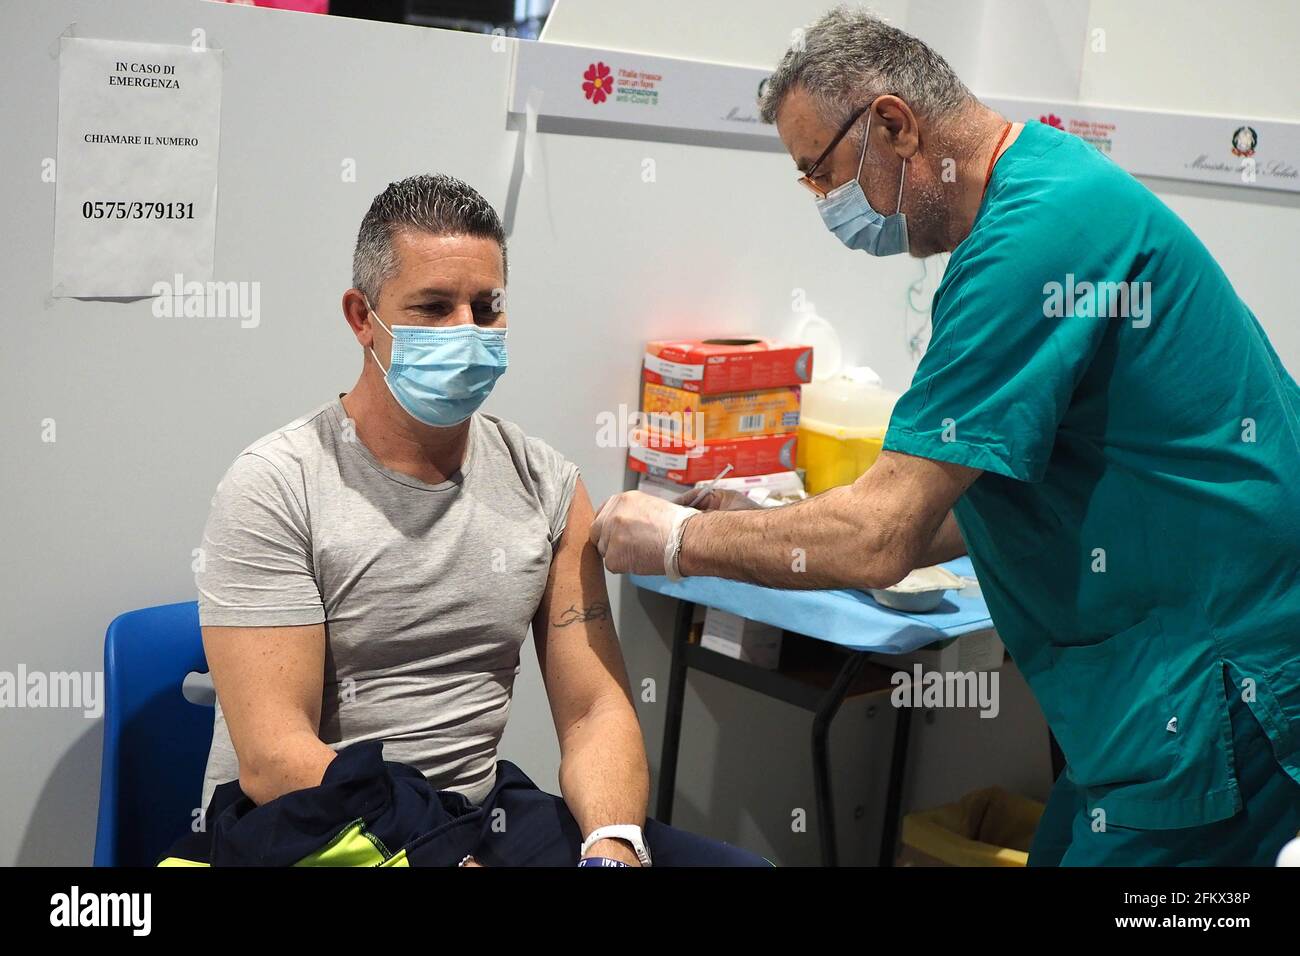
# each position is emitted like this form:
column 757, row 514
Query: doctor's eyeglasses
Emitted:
column 806, row 179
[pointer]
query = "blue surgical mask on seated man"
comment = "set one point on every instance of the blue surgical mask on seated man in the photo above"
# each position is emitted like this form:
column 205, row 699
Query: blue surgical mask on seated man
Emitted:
column 442, row 375
column 847, row 213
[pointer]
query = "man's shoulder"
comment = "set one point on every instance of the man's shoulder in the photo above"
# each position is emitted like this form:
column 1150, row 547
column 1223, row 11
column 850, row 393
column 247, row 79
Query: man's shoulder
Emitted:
column 293, row 446
column 514, row 438
column 1052, row 211
column 542, row 470
column 1064, row 183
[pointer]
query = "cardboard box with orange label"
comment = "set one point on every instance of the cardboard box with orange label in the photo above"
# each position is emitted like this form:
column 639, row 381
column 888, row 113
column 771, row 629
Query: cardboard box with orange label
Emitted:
column 709, row 366
column 650, row 454
column 693, row 418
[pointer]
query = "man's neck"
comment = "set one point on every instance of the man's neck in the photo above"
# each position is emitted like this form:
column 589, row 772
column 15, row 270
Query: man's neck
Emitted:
column 978, row 143
column 398, row 441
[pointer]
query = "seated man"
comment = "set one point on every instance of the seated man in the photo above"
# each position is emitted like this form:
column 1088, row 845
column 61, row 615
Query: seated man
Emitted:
column 371, row 569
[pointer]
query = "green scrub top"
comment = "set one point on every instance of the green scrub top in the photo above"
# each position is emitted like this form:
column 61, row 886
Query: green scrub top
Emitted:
column 1137, row 527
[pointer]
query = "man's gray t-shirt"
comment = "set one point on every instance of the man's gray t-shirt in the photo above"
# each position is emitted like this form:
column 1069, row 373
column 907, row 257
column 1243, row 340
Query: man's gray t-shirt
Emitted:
column 426, row 591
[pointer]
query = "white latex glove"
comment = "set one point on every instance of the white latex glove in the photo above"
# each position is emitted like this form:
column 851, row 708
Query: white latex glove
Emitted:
column 631, row 531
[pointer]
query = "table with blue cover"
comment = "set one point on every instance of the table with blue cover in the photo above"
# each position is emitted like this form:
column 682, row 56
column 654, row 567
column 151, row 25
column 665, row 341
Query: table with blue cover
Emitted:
column 851, row 620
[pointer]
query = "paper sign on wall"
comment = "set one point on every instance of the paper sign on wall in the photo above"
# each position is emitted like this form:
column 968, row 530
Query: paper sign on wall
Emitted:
column 136, row 176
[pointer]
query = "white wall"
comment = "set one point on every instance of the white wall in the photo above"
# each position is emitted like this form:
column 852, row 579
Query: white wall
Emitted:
column 1195, row 56
column 151, row 411
column 720, row 31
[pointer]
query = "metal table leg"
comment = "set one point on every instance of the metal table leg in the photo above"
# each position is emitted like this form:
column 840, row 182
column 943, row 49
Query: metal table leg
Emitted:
column 673, row 716
column 894, row 792
column 826, row 710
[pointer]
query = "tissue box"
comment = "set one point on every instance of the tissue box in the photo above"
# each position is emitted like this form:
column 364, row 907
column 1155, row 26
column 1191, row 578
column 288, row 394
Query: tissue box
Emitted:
column 709, row 366
column 742, row 639
column 694, row 418
column 651, row 454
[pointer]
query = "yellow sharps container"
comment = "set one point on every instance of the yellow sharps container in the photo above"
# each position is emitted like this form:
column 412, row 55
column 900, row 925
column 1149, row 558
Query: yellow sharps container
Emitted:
column 842, row 425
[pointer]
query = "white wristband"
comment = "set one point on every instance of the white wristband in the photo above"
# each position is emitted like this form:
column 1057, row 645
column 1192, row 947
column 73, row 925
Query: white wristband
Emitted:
column 673, row 547
column 626, row 832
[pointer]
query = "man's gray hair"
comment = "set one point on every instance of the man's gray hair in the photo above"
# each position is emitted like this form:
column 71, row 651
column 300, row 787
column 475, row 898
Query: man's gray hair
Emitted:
column 437, row 204
column 849, row 56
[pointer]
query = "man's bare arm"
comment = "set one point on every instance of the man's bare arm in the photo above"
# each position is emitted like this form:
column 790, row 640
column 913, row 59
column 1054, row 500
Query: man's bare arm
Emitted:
column 866, row 535
column 604, row 775
column 946, row 544
column 269, row 681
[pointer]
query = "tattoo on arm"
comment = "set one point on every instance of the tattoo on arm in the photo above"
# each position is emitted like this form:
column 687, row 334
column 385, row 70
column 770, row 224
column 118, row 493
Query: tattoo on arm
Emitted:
column 575, row 615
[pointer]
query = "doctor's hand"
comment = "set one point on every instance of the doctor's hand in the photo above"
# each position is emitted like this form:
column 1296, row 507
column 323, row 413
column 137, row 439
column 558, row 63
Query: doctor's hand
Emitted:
column 718, row 499
column 631, row 531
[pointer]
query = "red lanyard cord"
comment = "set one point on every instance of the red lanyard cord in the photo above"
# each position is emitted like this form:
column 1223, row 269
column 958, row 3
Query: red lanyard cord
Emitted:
column 988, row 176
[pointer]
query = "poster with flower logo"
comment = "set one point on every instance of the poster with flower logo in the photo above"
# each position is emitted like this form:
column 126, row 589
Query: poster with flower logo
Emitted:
column 597, row 83
column 576, row 82
column 1226, row 150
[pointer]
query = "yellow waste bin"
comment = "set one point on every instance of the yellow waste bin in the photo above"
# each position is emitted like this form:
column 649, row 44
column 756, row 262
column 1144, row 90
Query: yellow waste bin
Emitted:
column 989, row 827
column 842, row 425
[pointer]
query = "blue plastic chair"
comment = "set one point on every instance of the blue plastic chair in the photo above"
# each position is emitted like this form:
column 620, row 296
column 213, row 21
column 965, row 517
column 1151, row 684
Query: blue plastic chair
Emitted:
column 155, row 741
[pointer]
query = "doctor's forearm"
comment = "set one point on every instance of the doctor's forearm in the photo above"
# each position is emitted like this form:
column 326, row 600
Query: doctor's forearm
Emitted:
column 946, row 544
column 833, row 540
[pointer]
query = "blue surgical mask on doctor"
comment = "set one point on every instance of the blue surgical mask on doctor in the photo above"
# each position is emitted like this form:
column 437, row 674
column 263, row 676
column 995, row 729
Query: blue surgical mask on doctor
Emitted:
column 847, row 213
column 441, row 375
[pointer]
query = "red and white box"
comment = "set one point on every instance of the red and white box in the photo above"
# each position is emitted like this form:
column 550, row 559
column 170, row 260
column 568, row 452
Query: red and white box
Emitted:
column 688, row 464
column 709, row 366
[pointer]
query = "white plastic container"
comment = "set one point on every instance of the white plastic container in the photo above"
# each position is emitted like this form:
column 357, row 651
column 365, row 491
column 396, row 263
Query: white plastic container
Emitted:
column 921, row 590
column 842, row 427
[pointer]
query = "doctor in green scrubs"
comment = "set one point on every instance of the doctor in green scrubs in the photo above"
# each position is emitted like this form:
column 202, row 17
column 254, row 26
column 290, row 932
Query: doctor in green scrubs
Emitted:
column 1099, row 421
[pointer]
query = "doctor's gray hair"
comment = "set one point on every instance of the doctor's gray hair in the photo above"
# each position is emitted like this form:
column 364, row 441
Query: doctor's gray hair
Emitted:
column 851, row 55
column 437, row 204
